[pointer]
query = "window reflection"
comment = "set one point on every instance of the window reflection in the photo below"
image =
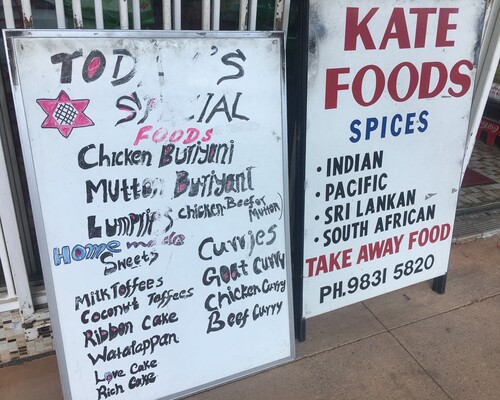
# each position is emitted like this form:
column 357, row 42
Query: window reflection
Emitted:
column 44, row 14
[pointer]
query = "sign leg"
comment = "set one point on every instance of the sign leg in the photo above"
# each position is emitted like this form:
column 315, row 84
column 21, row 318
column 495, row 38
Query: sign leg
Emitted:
column 439, row 284
column 302, row 330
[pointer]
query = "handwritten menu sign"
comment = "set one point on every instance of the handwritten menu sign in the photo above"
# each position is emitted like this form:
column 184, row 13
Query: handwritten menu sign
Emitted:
column 157, row 171
column 389, row 93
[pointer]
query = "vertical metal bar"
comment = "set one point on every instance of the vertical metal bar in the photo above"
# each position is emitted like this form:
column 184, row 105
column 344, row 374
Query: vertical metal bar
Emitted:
column 136, row 12
column 301, row 335
column 177, row 14
column 10, row 223
column 252, row 20
column 99, row 17
column 299, row 126
column 205, row 15
column 77, row 14
column 9, row 14
column 123, row 14
column 216, row 15
column 61, row 19
column 167, row 15
column 286, row 17
column 243, row 25
column 4, row 258
column 490, row 53
column 278, row 15
column 27, row 14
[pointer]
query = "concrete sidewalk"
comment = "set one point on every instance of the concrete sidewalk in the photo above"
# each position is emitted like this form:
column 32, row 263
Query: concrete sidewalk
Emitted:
column 409, row 344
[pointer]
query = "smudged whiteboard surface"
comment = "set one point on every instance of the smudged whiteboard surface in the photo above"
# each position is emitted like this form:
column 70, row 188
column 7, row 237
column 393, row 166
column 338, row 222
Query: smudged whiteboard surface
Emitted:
column 389, row 94
column 158, row 178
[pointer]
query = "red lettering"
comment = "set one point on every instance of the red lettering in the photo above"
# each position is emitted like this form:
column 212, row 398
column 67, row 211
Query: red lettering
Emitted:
column 310, row 265
column 193, row 134
column 460, row 79
column 421, row 24
column 355, row 28
column 162, row 137
column 426, row 235
column 333, row 86
column 141, row 135
column 321, row 267
column 444, row 26
column 401, row 83
column 335, row 261
column 392, row 83
column 94, row 67
column 357, row 85
column 397, row 29
column 174, row 138
column 162, row 134
column 208, row 135
column 425, row 91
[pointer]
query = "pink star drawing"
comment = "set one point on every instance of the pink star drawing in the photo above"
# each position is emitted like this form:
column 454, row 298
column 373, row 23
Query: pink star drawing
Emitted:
column 64, row 114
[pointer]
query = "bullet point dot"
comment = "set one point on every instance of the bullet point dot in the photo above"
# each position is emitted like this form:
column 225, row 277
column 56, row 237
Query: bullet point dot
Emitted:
column 316, row 240
column 316, row 217
column 318, row 169
column 318, row 194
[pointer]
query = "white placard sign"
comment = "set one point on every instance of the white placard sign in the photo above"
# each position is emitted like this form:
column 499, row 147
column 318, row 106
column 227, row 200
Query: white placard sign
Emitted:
column 158, row 175
column 389, row 94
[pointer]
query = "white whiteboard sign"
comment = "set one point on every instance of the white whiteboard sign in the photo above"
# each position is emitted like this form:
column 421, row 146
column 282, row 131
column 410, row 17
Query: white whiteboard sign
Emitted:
column 389, row 93
column 157, row 171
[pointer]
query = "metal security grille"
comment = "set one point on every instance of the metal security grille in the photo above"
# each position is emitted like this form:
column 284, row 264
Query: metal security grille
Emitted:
column 149, row 14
